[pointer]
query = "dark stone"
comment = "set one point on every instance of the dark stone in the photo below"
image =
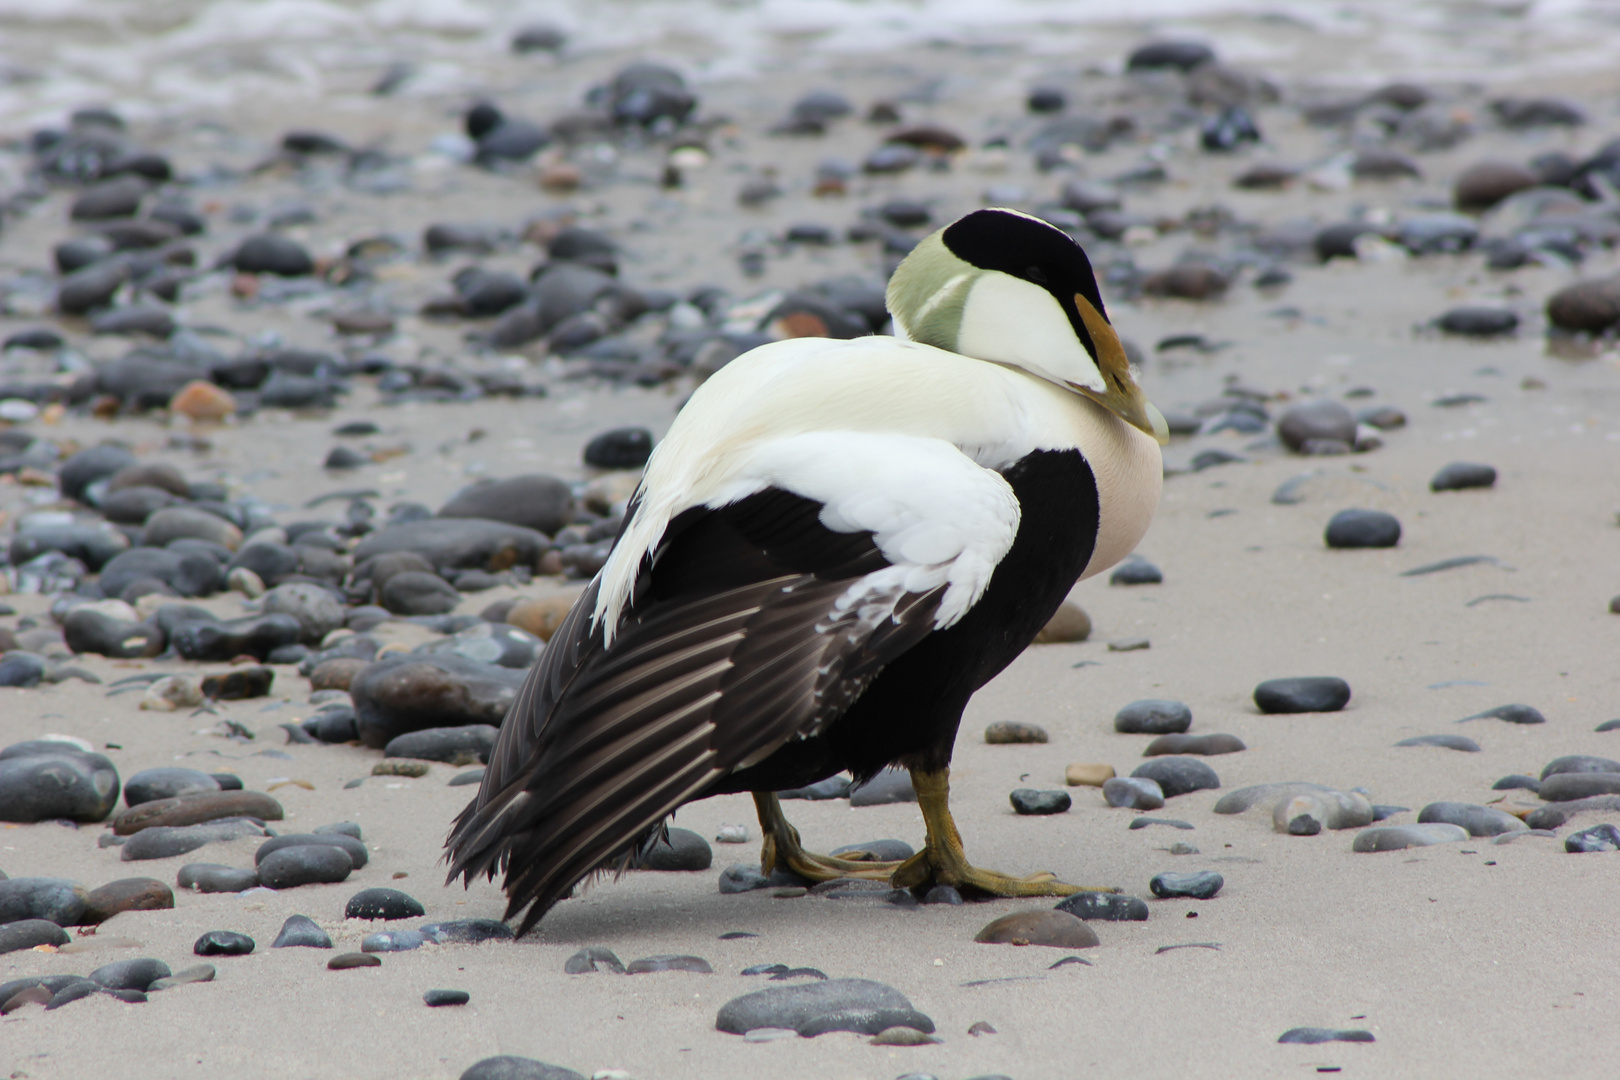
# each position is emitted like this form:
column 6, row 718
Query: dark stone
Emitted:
column 1029, row 801
column 223, row 943
column 45, row 780
column 1603, row 837
column 682, row 849
column 115, row 198
column 269, row 561
column 1228, row 130
column 410, row 693
column 1153, row 716
column 90, row 288
column 1591, row 307
column 1478, row 321
column 1199, row 886
column 1136, row 571
column 1106, row 907
column 304, row 864
column 1202, row 745
column 75, row 991
column 127, row 894
column 81, row 470
column 1316, row 420
column 27, row 934
column 241, row 683
column 621, row 448
column 198, row 808
column 586, row 960
column 436, row 998
column 1449, row 742
column 1362, row 529
column 489, row 643
column 152, row 321
column 834, row 787
column 1302, row 695
column 740, row 878
column 1514, row 112
column 1478, row 820
column 1516, row 782
column 456, row 746
column 269, row 253
column 132, row 506
column 1175, row 55
column 1437, row 234
column 1177, row 775
column 56, row 900
column 418, row 593
column 858, row 1005
column 93, row 545
column 167, row 841
column 1004, row 732
column 1568, row 786
column 135, row 974
column 1463, row 474
column 1480, row 187
column 513, row 139
column 1513, row 714
column 1312, row 1035
column 466, row 932
column 644, row 93
column 888, row 786
column 345, row 961
column 382, row 904
column 459, row 543
column 1580, row 763
column 358, row 855
column 215, row 878
column 535, row 501
column 509, row 1067
column 257, row 636
column 1133, row 792
column 301, row 931
column 18, row 668
column 392, row 941
column 187, row 573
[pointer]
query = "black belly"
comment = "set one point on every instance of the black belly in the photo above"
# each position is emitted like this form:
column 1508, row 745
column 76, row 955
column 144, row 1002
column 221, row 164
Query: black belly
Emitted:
column 910, row 712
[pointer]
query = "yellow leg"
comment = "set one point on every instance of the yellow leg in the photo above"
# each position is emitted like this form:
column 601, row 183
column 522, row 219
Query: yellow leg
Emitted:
column 942, row 861
column 782, row 848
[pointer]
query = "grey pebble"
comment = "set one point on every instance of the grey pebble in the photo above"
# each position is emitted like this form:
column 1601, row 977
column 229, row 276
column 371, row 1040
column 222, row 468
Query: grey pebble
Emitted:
column 216, row 877
column 353, row 848
column 1399, row 837
column 1198, row 886
column 392, row 941
column 1030, row 802
column 1461, row 475
column 300, row 931
column 1136, row 571
column 1153, row 716
column 668, row 962
column 888, row 786
column 1105, row 907
column 1449, row 742
column 1174, row 823
column 1478, row 820
column 1211, row 745
column 380, row 903
column 858, row 1005
column 1513, row 714
column 510, row 1067
column 1302, row 695
column 586, row 960
column 1603, row 837
column 57, row 899
column 1176, row 776
column 1362, row 529
column 28, row 933
column 1133, row 793
column 466, row 931
column 305, row 864
column 435, row 998
column 223, row 943
column 134, row 974
column 1579, row 763
column 680, row 849
column 1313, row 1035
column 1517, row 781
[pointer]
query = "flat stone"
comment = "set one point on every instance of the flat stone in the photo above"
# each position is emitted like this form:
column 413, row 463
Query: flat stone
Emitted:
column 1449, row 742
column 1580, row 763
column 858, row 1005
column 1105, row 907
column 356, row 851
column 300, row 931
column 1147, row 822
column 127, row 894
column 61, row 782
column 535, row 501
column 680, row 849
column 1030, row 802
column 1478, row 820
column 435, row 999
column 398, row 695
column 509, row 1067
column 380, row 903
column 223, row 943
column 1011, row 731
column 345, row 961
column 166, row 782
column 1513, row 714
column 666, row 962
column 1136, row 570
column 587, row 960
column 1517, row 782
column 1399, row 837
column 465, row 745
column 1313, row 1035
column 1362, row 529
column 305, row 864
column 1153, row 716
column 1315, row 420
column 197, row 973
column 135, row 974
column 1210, row 745
column 1177, row 776
column 1133, row 793
column 1054, row 927
column 214, row 877
column 1568, row 786
column 164, row 841
column 1088, row 774
column 30, row 933
column 1200, row 885
column 1302, row 695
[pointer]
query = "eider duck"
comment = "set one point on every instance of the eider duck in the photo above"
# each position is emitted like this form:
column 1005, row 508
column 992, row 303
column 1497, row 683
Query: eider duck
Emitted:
column 835, row 546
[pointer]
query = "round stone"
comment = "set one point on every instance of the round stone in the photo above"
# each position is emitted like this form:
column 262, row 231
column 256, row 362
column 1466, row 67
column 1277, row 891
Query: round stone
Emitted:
column 382, row 904
column 1153, row 716
column 1302, row 695
column 223, row 943
column 1460, row 475
column 305, row 864
column 1362, row 529
column 1199, row 886
column 1177, row 776
column 621, row 448
column 1325, row 421
column 1030, row 802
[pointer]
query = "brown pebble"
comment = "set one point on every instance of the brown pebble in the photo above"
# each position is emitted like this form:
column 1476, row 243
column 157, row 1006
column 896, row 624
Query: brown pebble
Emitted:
column 1088, row 774
column 1058, row 929
column 903, row 1036
column 34, row 995
column 126, row 894
column 561, row 178
column 1011, row 731
column 353, row 960
column 202, row 400
column 197, row 809
column 792, row 892
column 363, row 322
column 1587, row 306
column 541, row 615
column 1206, row 745
column 1482, row 186
column 336, row 674
column 400, row 768
column 1069, row 623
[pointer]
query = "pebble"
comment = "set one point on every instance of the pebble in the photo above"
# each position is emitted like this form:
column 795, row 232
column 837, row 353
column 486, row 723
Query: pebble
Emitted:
column 1209, row 745
column 679, row 849
column 55, row 781
column 166, row 782
column 888, row 786
column 1068, row 624
column 1055, row 927
column 18, row 668
column 1307, row 813
column 1136, row 571
column 196, row 809
column 30, row 933
column 1461, row 475
column 1012, row 731
column 351, row 846
column 305, row 864
column 1580, row 763
column 126, row 894
column 1449, row 742
column 195, row 974
column 509, row 1067
column 223, row 943
column 666, row 962
column 1030, row 802
column 1478, row 321
column 1178, row 55
column 534, row 500
column 1305, row 428
column 859, row 1005
column 1302, row 695
column 167, row 841
column 1603, row 837
column 466, row 931
column 1362, row 529
column 392, row 941
column 1313, row 1035
column 1589, row 307
column 379, row 903
column 1088, row 774
column 1480, row 187
column 458, row 543
column 1173, row 823
column 1513, row 714
column 1478, row 820
column 239, row 684
column 397, row 695
column 1201, row 885
column 467, row 745
column 302, row 931
column 1133, row 793
column 1399, row 837
column 1153, row 716
column 344, row 961
column 434, row 999
column 621, row 448
column 135, row 974
column 268, row 253
column 586, row 960
column 1516, row 782
column 1105, row 907
column 1176, row 776
column 470, row 776
column 214, row 877
column 1568, row 786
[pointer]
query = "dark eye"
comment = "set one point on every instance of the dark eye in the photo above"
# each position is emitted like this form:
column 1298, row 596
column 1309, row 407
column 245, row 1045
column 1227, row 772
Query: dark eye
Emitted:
column 1035, row 274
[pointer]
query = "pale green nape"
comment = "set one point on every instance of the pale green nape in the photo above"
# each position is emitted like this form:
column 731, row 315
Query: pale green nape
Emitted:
column 927, row 293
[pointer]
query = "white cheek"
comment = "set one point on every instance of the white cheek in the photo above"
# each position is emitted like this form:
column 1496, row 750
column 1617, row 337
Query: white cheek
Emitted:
column 1010, row 321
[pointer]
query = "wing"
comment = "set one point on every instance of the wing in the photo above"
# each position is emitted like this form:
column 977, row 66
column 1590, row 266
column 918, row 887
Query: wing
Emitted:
column 752, row 621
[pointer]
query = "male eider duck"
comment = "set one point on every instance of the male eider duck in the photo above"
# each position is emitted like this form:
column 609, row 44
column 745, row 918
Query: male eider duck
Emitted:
column 837, row 543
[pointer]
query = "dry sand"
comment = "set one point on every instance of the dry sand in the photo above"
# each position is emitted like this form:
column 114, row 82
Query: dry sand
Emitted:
column 1464, row 959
